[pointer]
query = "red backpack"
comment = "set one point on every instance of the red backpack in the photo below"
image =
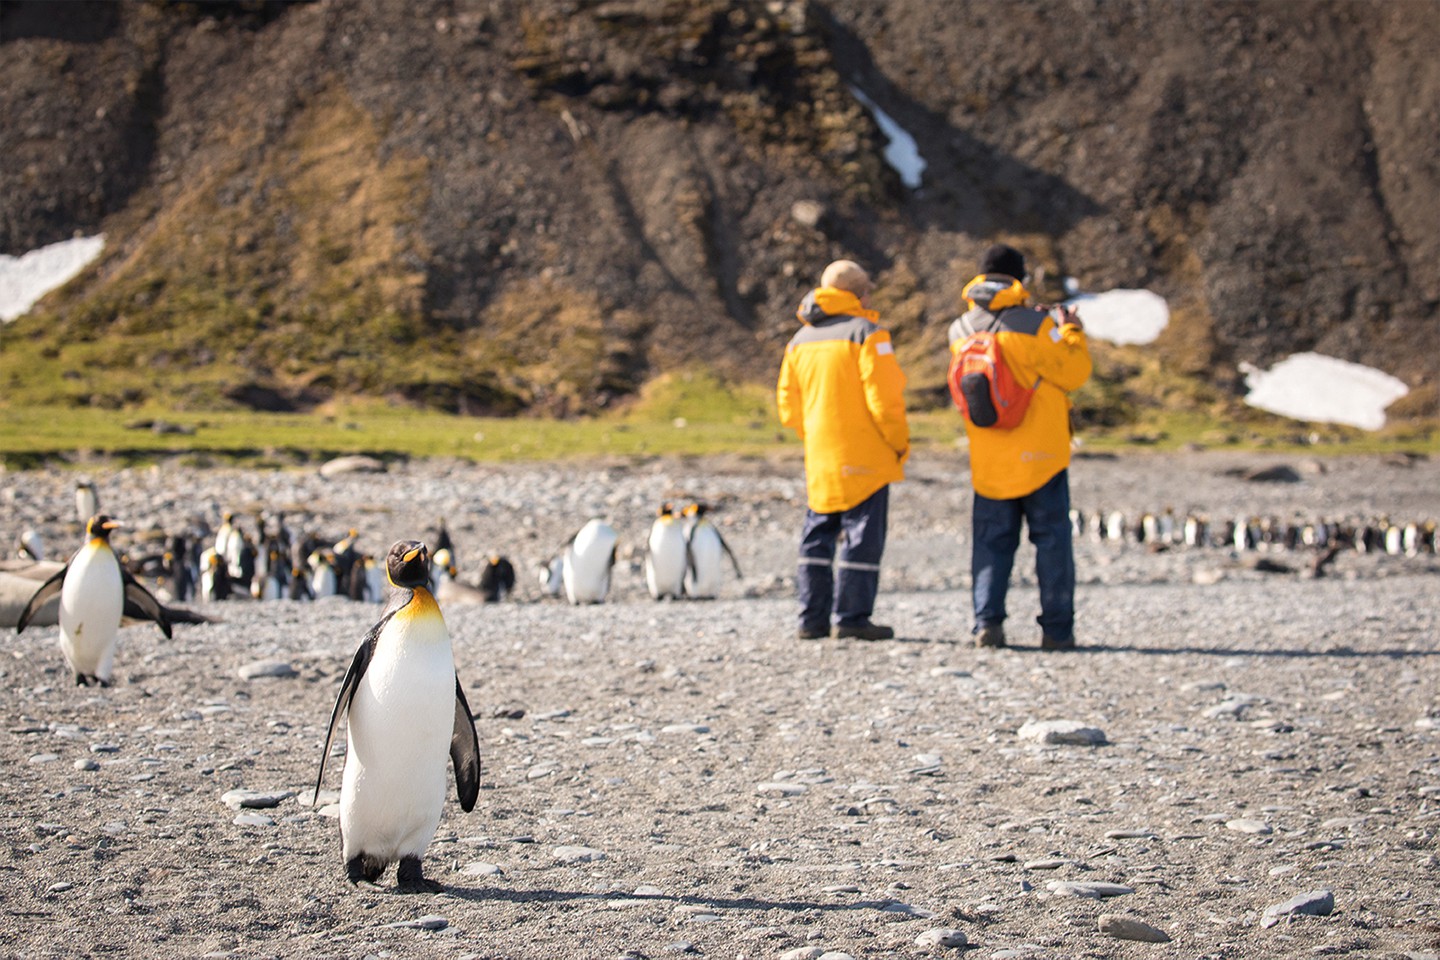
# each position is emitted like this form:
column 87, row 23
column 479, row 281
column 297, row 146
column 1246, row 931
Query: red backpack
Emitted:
column 983, row 386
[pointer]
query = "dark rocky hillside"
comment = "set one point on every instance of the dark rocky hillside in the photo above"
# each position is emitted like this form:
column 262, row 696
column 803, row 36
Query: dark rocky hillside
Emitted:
column 499, row 205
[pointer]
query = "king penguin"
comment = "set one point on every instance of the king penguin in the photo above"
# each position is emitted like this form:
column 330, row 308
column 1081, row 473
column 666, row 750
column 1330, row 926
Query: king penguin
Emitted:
column 87, row 500
column 665, row 555
column 586, row 562
column 497, row 579
column 706, row 550
column 95, row 590
column 406, row 711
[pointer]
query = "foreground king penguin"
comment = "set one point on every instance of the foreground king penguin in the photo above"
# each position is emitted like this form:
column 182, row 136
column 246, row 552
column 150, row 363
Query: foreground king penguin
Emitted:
column 95, row 591
column 406, row 711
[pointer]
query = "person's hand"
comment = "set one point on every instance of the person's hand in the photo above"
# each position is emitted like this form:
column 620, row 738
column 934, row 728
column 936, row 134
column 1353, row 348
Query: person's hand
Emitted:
column 1070, row 315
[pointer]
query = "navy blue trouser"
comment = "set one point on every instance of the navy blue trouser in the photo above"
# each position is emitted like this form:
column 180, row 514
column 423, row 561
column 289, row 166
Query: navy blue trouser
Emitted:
column 1046, row 513
column 841, row 589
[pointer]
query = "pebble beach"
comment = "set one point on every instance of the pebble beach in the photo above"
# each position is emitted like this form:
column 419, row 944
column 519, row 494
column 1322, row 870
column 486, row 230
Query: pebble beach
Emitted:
column 1242, row 760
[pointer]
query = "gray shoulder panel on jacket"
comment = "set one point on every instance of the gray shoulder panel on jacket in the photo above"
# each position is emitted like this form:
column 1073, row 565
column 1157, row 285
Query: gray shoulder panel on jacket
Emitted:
column 838, row 327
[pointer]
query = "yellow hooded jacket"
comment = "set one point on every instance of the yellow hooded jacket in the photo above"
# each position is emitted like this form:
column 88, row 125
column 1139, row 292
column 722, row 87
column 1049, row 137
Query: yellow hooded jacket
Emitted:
column 1006, row 464
column 842, row 391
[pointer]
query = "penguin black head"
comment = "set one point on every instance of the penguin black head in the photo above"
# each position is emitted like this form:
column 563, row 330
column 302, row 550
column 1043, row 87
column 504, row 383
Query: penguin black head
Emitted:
column 696, row 510
column 408, row 564
column 666, row 510
column 99, row 527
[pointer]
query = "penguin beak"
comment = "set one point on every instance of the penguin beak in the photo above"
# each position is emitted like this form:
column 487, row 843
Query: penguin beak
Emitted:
column 111, row 525
column 410, row 557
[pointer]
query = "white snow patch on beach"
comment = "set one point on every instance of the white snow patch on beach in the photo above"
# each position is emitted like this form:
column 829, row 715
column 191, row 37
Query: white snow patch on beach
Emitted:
column 27, row 278
column 1321, row 389
column 1122, row 316
column 901, row 152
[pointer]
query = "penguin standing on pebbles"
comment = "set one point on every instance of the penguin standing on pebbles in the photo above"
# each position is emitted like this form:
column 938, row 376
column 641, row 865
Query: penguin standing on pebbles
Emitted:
column 87, row 500
column 666, row 555
column 705, row 549
column 406, row 711
column 586, row 562
column 95, row 590
column 497, row 579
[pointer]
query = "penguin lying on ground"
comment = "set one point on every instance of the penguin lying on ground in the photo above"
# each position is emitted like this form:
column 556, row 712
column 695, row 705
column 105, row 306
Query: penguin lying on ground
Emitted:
column 406, row 710
column 95, row 591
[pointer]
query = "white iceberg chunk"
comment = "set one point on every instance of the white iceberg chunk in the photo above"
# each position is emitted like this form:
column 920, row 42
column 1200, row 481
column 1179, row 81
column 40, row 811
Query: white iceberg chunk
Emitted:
column 1321, row 389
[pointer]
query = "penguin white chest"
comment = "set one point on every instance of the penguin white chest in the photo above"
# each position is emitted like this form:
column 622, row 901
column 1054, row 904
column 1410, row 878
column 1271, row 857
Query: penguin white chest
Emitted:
column 665, row 560
column 400, row 722
column 91, row 602
column 585, row 565
column 707, row 559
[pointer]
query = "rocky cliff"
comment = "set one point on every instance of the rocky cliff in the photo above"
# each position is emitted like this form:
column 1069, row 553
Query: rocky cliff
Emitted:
column 497, row 206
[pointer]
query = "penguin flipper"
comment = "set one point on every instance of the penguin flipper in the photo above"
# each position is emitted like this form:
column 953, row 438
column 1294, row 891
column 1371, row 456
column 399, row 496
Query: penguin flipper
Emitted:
column 50, row 588
column 729, row 553
column 465, row 752
column 142, row 605
column 348, row 686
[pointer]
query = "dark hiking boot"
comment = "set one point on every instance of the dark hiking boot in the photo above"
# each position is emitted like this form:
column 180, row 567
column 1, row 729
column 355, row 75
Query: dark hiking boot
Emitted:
column 864, row 630
column 813, row 633
column 1047, row 642
column 991, row 635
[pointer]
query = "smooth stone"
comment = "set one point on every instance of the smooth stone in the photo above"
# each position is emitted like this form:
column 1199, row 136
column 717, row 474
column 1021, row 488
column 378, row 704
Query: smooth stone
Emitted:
column 1050, row 863
column 351, row 464
column 571, row 854
column 840, row 888
column 267, row 668
column 908, row 910
column 85, row 763
column 1131, row 835
column 253, row 820
column 685, row 728
column 942, row 937
column 782, row 789
column 835, row 955
column 1256, row 827
column 680, row 946
column 648, row 890
column 803, row 953
column 254, row 799
column 1064, row 732
column 1128, row 928
column 45, row 758
column 428, row 922
column 104, row 748
column 60, row 887
column 481, row 869
column 1091, row 890
column 1314, row 903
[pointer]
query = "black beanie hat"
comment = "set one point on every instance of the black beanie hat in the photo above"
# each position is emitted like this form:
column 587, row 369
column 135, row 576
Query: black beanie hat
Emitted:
column 1003, row 259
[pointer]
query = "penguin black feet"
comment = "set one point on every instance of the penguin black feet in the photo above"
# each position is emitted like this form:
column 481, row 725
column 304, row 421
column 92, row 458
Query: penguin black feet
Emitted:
column 363, row 868
column 85, row 679
column 412, row 880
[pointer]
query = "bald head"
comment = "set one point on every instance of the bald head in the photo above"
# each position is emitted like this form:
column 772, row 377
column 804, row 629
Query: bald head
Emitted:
column 847, row 275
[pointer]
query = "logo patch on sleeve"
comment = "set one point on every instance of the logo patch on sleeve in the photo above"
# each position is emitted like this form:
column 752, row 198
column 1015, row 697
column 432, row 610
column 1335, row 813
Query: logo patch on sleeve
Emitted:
column 884, row 347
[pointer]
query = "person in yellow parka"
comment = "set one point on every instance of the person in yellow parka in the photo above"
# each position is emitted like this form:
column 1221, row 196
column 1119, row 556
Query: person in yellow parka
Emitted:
column 1023, row 473
column 842, row 391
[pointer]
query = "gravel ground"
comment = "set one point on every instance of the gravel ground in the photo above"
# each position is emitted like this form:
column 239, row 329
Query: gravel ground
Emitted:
column 686, row 778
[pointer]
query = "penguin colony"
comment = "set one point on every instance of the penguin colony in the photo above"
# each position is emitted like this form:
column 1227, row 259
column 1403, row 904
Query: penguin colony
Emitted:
column 1164, row 530
column 404, row 708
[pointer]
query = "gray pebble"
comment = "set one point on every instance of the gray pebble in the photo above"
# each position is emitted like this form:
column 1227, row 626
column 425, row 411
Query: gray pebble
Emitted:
column 45, row 758
column 253, row 820
column 1091, row 890
column 571, row 854
column 942, row 937
column 481, row 869
column 802, row 953
column 254, row 799
column 1315, row 903
column 85, row 763
column 1256, row 827
column 259, row 669
column 428, row 922
column 1066, row 732
column 1128, row 928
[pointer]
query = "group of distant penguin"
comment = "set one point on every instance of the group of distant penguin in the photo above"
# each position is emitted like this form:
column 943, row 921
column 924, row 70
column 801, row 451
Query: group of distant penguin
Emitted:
column 685, row 558
column 405, row 708
column 1165, row 529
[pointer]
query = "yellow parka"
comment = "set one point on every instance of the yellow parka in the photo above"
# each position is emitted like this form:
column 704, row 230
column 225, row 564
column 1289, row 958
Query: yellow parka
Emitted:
column 1005, row 464
column 842, row 391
